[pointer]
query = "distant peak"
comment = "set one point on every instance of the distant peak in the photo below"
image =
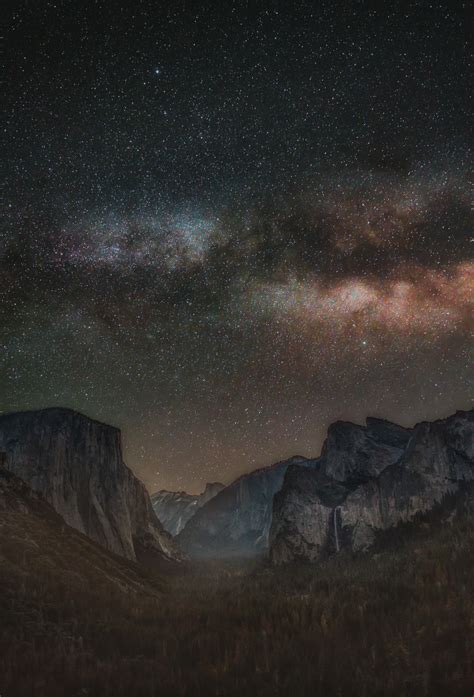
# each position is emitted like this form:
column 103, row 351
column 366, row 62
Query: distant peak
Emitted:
column 168, row 492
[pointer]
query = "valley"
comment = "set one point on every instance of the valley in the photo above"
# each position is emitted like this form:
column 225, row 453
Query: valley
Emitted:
column 397, row 622
column 103, row 602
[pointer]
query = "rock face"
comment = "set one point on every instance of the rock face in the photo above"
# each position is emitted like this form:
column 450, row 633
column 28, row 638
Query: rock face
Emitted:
column 38, row 549
column 351, row 454
column 76, row 463
column 369, row 479
column 175, row 508
column 236, row 521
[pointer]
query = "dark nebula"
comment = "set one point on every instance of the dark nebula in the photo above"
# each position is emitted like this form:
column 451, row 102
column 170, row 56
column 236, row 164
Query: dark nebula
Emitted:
column 226, row 225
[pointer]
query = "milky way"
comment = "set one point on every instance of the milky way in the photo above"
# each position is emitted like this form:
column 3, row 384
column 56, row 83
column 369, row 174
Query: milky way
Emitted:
column 226, row 228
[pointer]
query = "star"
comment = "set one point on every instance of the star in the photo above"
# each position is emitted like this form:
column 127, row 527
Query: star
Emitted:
column 273, row 242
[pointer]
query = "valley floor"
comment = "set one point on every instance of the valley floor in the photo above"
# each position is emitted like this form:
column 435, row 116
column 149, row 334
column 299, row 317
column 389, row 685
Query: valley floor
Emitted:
column 399, row 622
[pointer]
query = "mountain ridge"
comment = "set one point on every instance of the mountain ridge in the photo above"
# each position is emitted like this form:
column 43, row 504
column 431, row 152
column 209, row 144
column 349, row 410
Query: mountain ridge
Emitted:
column 237, row 520
column 369, row 495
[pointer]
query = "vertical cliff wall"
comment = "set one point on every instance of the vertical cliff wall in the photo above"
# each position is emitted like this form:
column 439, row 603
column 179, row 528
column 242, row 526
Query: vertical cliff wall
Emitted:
column 76, row 463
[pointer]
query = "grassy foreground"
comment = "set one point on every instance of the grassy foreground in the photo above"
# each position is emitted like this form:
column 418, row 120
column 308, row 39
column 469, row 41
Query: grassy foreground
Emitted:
column 398, row 622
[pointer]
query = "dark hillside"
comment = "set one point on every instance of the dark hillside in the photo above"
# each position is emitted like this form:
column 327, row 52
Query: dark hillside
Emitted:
column 79, row 621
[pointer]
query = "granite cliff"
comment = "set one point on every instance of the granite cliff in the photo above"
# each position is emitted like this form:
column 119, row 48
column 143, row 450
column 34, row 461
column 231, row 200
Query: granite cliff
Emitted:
column 39, row 549
column 369, row 479
column 76, row 464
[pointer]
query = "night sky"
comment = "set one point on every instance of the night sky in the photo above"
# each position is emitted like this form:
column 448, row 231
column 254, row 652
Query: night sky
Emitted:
column 226, row 225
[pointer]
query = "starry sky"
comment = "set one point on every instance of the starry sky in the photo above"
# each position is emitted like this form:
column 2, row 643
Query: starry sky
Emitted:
column 226, row 225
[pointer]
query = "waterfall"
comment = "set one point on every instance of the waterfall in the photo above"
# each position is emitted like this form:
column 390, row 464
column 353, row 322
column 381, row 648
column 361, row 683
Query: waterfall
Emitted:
column 336, row 534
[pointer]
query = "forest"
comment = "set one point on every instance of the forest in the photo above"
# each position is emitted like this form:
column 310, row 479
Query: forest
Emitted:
column 397, row 621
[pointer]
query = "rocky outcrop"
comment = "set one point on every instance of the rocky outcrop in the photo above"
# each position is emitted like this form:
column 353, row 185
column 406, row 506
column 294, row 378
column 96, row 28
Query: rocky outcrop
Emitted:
column 352, row 454
column 236, row 521
column 175, row 508
column 439, row 457
column 76, row 464
column 369, row 479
